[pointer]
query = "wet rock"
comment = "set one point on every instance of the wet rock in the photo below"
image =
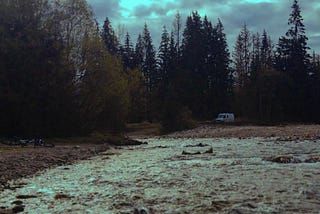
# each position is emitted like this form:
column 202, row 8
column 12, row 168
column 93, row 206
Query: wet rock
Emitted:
column 17, row 202
column 313, row 159
column 209, row 151
column 163, row 147
column 25, row 196
column 137, row 197
column 18, row 209
column 284, row 159
column 220, row 205
column 236, row 211
column 190, row 153
column 121, row 204
column 311, row 194
column 251, row 205
column 140, row 211
column 198, row 145
column 62, row 196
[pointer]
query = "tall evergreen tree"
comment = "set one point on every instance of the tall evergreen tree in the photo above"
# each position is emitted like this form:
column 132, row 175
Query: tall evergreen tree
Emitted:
column 149, row 65
column 128, row 56
column 255, row 57
column 193, row 54
column 173, row 55
column 217, row 61
column 193, row 44
column 293, row 57
column 222, row 66
column 164, row 55
column 109, row 37
column 266, row 50
column 241, row 57
column 139, row 52
column 177, row 26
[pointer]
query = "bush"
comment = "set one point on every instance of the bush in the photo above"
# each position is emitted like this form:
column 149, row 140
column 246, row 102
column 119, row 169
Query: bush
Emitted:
column 175, row 119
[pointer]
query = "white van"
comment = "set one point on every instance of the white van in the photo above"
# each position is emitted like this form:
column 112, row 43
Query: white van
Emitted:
column 225, row 117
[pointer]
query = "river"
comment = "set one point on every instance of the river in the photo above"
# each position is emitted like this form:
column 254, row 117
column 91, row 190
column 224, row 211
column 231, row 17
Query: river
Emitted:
column 178, row 176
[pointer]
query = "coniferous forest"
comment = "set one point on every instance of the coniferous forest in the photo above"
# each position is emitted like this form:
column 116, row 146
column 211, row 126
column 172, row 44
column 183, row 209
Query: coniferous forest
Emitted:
column 61, row 74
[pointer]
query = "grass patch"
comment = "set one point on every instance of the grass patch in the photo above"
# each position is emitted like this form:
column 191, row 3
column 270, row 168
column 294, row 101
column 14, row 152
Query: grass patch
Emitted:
column 143, row 129
column 95, row 138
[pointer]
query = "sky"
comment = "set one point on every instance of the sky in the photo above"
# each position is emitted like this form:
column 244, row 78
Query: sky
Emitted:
column 271, row 15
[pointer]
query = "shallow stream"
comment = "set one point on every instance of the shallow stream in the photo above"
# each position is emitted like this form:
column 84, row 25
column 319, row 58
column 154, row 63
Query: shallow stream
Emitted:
column 179, row 176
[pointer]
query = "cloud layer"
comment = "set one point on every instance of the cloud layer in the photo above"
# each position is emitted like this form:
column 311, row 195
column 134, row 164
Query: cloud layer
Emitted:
column 271, row 15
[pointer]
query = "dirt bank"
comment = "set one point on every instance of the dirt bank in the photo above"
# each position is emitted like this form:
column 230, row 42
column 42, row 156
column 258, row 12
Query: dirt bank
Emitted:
column 289, row 132
column 17, row 162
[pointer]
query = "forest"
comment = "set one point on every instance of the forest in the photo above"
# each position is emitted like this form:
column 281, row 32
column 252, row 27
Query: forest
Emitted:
column 62, row 74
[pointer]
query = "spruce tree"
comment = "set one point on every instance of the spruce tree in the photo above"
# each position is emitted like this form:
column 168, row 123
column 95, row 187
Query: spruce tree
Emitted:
column 139, row 52
column 224, row 80
column 255, row 57
column 149, row 65
column 220, row 83
column 292, row 48
column 164, row 54
column 241, row 57
column 177, row 26
column 293, row 59
column 193, row 56
column 266, row 57
column 128, row 53
column 109, row 37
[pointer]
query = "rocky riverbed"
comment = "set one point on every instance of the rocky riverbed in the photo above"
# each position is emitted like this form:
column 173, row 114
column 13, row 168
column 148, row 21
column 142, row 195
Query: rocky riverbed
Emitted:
column 180, row 175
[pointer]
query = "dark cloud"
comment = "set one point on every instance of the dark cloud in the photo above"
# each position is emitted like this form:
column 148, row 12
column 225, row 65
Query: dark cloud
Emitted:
column 269, row 15
column 158, row 9
column 103, row 9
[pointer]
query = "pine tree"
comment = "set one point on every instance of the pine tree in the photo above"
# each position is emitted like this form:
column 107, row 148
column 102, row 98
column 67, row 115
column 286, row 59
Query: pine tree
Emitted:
column 292, row 48
column 128, row 57
column 193, row 56
column 255, row 57
column 109, row 37
column 177, row 26
column 164, row 55
column 266, row 57
column 193, row 44
column 241, row 57
column 174, row 57
column 220, row 82
column 139, row 52
column 293, row 59
column 149, row 65
column 209, row 40
column 222, row 59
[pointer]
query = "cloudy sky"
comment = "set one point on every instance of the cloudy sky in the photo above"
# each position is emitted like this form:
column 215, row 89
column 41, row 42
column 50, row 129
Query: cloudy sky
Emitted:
column 271, row 15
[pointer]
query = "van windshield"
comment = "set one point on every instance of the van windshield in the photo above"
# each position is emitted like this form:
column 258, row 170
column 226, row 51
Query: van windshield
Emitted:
column 221, row 116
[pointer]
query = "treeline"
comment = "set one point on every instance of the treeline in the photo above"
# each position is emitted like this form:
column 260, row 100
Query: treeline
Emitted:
column 61, row 75
column 277, row 83
column 190, row 76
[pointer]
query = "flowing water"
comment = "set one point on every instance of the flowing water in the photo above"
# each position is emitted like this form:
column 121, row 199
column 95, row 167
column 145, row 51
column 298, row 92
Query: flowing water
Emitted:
column 179, row 176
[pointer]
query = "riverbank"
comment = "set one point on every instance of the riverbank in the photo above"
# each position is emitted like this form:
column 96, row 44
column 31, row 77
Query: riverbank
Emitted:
column 287, row 132
column 17, row 162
